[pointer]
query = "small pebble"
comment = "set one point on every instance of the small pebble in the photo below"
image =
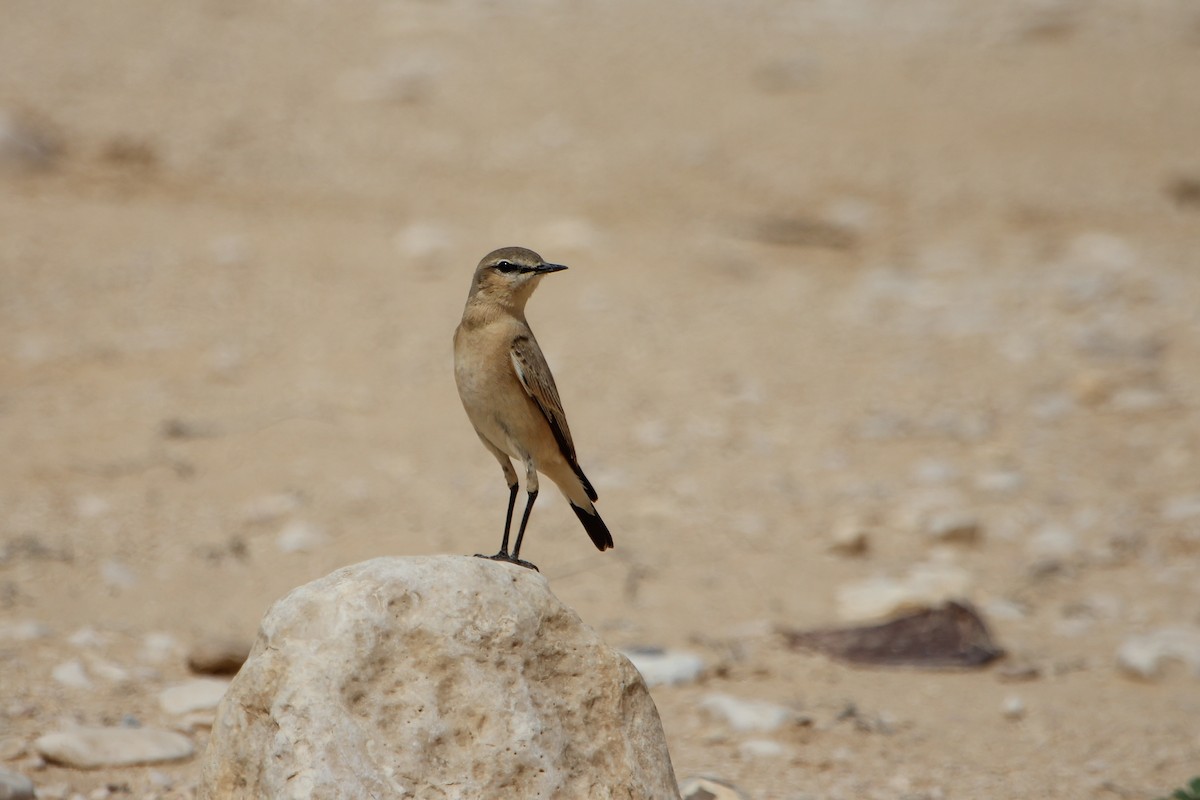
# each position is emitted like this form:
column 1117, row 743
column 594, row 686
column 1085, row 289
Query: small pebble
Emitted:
column 157, row 647
column 160, row 780
column 1143, row 656
column 665, row 667
column 71, row 674
column 1053, row 543
column 198, row 694
column 90, row 506
column 101, row 668
column 87, row 638
column 705, row 788
column 53, row 791
column 195, row 721
column 15, row 786
column 25, row 144
column 1016, row 670
column 218, row 656
column 959, row 527
column 761, row 748
column 90, row 748
column 746, row 715
column 925, row 586
column 117, row 575
column 850, row 537
column 23, row 630
column 1013, row 707
column 300, row 537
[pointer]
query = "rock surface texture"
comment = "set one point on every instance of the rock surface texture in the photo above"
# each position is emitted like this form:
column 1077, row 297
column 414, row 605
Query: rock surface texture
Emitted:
column 439, row 677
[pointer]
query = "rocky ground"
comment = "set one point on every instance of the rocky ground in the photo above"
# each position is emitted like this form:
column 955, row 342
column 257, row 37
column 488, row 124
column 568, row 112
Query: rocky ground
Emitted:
column 870, row 304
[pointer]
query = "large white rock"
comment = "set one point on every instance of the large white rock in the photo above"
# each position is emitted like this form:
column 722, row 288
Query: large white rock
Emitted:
column 440, row 677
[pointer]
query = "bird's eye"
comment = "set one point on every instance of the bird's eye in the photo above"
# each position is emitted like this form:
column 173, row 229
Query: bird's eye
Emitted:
column 506, row 266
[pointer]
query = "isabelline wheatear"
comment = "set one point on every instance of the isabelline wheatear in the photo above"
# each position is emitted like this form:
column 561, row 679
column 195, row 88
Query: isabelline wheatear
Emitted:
column 509, row 394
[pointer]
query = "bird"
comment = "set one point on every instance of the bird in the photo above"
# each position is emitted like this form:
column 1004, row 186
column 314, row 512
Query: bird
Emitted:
column 510, row 396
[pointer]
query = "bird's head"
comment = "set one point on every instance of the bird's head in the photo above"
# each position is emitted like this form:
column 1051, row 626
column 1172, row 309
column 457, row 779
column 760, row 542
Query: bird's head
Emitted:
column 509, row 275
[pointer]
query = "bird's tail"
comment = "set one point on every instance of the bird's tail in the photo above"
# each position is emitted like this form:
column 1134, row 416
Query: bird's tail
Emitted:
column 594, row 526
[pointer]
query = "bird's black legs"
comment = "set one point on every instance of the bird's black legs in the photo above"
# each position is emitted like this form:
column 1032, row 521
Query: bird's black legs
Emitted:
column 521, row 532
column 512, row 502
column 503, row 554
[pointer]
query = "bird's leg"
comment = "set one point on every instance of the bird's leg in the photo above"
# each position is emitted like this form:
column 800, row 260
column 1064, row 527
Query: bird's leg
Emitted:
column 510, row 476
column 512, row 502
column 531, row 487
column 521, row 533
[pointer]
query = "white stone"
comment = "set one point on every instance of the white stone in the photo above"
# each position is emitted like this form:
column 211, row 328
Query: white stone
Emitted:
column 665, row 667
column 53, row 791
column 960, row 527
column 72, row 675
column 198, row 694
column 1013, row 707
column 89, row 748
column 1143, row 656
column 90, row 506
column 1053, row 543
column 300, row 537
column 218, row 656
column 117, row 575
column 87, row 638
column 924, row 586
column 746, row 715
column 702, row 788
column 103, row 668
column 195, row 721
column 850, row 537
column 23, row 630
column 921, row 504
column 761, row 748
column 15, row 786
column 157, row 647
column 449, row 677
column 25, row 144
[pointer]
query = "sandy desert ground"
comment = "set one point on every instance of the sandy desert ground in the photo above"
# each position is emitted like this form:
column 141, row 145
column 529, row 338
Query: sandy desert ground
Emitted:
column 835, row 266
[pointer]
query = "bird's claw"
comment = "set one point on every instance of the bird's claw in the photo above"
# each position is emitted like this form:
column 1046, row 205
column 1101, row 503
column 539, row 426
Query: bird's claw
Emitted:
column 503, row 556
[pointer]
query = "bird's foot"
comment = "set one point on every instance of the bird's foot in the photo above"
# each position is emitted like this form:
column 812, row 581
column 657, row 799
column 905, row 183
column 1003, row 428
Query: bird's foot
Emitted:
column 503, row 556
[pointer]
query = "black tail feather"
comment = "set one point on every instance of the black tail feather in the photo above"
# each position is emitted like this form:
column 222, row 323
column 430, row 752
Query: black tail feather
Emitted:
column 595, row 527
column 587, row 485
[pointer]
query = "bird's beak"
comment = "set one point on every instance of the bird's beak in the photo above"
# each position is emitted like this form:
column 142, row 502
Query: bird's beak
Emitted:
column 546, row 268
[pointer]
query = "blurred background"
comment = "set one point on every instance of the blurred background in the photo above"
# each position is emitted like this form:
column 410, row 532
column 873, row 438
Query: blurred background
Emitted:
column 865, row 297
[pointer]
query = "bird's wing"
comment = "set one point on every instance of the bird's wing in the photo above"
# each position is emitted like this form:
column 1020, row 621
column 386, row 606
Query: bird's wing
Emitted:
column 534, row 374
